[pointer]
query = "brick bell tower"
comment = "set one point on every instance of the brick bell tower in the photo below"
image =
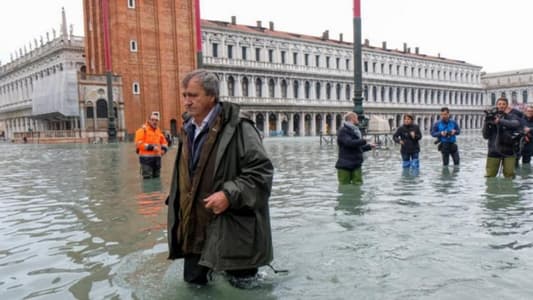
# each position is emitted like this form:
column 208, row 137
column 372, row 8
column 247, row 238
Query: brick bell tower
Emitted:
column 151, row 47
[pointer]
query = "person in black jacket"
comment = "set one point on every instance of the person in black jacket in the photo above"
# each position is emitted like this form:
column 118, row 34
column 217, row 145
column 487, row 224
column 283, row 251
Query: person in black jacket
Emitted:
column 527, row 149
column 500, row 130
column 408, row 136
column 351, row 147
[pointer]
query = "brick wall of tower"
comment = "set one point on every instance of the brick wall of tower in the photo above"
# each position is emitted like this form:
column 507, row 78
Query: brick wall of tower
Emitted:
column 165, row 35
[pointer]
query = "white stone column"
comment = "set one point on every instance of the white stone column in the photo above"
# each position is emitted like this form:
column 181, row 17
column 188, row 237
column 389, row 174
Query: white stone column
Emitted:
column 278, row 122
column 324, row 124
column 313, row 124
column 302, row 124
column 266, row 123
column 291, row 125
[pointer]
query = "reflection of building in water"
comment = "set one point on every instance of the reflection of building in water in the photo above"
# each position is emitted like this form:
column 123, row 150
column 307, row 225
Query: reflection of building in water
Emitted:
column 295, row 84
column 517, row 86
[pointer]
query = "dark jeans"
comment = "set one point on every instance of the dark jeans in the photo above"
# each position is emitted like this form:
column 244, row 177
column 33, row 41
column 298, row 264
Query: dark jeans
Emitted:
column 527, row 152
column 448, row 149
column 197, row 274
column 150, row 166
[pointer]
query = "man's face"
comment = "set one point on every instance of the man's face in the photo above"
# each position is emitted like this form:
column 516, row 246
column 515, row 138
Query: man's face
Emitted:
column 445, row 116
column 153, row 121
column 501, row 105
column 529, row 112
column 196, row 102
column 407, row 121
column 355, row 119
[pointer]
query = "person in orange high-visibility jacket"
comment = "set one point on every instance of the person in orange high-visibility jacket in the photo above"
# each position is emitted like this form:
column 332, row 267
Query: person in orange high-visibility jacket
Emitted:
column 150, row 144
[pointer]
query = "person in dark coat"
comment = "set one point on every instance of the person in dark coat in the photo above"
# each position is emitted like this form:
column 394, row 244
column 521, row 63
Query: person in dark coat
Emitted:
column 499, row 130
column 527, row 148
column 218, row 212
column 351, row 147
column 408, row 136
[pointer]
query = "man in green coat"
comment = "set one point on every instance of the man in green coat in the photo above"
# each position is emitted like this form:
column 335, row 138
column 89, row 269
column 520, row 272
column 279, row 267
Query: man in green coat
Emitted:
column 218, row 213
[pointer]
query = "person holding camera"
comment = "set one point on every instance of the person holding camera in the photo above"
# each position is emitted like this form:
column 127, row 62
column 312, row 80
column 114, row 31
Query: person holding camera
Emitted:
column 408, row 136
column 445, row 131
column 150, row 145
column 500, row 129
column 527, row 147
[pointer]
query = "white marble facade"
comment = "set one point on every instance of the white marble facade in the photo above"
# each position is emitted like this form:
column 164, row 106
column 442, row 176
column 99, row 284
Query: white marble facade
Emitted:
column 301, row 85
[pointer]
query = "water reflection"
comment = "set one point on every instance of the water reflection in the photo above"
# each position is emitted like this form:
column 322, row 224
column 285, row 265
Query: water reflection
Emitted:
column 350, row 199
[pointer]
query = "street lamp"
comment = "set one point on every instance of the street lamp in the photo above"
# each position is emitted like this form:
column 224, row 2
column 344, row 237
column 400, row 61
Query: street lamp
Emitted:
column 111, row 129
column 358, row 69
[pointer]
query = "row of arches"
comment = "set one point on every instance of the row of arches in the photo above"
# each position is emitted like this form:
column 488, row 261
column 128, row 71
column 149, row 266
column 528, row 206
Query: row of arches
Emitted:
column 316, row 123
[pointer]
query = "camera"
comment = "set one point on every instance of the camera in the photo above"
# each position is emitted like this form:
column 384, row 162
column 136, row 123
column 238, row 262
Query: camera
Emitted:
column 492, row 113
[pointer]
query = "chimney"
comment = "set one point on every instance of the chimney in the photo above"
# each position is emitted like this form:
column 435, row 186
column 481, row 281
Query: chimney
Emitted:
column 438, row 55
column 340, row 37
column 416, row 50
column 271, row 25
column 409, row 50
column 233, row 20
column 367, row 42
column 384, row 44
column 259, row 24
column 325, row 35
column 405, row 47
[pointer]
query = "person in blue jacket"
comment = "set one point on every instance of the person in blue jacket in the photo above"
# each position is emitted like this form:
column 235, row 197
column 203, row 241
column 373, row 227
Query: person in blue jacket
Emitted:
column 446, row 130
column 351, row 147
column 408, row 136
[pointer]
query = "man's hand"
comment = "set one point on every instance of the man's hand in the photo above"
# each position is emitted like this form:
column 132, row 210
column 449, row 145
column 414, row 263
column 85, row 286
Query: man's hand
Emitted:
column 413, row 134
column 453, row 132
column 217, row 202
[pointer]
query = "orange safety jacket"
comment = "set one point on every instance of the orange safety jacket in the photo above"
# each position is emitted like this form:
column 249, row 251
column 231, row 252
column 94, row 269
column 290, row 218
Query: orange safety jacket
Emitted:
column 145, row 136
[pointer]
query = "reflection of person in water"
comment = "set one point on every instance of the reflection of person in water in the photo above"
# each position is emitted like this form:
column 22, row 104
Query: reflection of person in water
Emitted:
column 350, row 199
column 150, row 201
column 501, row 194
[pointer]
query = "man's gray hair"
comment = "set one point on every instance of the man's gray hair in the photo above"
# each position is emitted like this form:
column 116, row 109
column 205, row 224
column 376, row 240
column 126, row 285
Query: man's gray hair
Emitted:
column 349, row 115
column 208, row 81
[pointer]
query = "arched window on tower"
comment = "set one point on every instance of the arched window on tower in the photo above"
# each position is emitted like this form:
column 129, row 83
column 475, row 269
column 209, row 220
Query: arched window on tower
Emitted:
column 318, row 90
column 328, row 91
column 89, row 111
column 101, row 108
column 338, row 91
column 348, row 92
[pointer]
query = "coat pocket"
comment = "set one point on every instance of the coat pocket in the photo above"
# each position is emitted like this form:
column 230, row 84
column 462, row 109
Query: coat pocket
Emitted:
column 238, row 236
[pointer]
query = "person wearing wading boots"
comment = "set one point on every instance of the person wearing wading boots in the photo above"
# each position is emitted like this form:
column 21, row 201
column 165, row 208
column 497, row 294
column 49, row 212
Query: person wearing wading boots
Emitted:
column 218, row 211
column 445, row 131
column 408, row 136
column 150, row 145
column 499, row 130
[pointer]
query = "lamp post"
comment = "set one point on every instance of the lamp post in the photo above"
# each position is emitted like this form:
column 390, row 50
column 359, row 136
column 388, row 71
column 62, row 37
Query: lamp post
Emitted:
column 111, row 128
column 357, row 62
column 198, row 28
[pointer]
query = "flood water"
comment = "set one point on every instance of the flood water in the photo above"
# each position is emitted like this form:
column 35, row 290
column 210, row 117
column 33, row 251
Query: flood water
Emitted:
column 77, row 222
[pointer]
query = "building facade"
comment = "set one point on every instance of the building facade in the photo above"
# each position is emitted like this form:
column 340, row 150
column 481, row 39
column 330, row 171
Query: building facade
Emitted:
column 301, row 85
column 517, row 86
column 38, row 88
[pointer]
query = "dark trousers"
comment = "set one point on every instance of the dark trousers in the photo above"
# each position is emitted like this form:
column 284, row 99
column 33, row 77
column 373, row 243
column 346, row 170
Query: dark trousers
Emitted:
column 197, row 274
column 447, row 150
column 150, row 166
column 527, row 152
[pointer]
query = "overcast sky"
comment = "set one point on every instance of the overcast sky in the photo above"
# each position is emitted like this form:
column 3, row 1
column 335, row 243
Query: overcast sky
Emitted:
column 494, row 34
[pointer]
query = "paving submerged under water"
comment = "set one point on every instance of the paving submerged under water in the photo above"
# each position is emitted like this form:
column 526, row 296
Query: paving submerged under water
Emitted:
column 77, row 222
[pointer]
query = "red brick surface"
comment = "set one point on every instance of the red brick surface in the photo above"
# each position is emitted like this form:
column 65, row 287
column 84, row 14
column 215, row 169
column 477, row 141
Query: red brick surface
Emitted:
column 164, row 31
